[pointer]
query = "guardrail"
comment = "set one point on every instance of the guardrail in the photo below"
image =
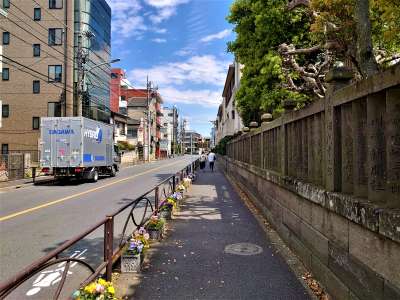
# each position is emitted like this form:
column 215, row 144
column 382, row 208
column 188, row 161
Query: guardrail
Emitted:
column 110, row 256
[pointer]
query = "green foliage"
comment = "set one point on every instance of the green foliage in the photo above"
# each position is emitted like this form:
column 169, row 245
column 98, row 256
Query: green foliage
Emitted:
column 123, row 145
column 261, row 26
column 221, row 147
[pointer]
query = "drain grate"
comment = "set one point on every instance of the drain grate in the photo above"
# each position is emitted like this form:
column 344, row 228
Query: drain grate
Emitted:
column 243, row 249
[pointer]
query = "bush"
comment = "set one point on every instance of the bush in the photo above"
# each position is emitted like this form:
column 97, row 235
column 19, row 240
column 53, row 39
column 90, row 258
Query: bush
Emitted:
column 123, row 145
column 221, row 147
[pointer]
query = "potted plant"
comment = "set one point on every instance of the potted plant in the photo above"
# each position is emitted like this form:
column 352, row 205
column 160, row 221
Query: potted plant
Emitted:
column 187, row 182
column 132, row 256
column 180, row 188
column 155, row 227
column 99, row 289
column 165, row 209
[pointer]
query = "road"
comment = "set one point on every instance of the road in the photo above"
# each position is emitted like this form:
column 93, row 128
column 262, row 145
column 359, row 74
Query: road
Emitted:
column 36, row 219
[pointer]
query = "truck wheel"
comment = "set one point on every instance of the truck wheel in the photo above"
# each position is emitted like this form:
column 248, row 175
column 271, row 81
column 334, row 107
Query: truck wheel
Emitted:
column 95, row 175
column 113, row 172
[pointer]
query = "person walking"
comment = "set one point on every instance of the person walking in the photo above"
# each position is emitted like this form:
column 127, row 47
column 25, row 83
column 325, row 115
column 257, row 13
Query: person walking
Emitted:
column 211, row 160
column 203, row 159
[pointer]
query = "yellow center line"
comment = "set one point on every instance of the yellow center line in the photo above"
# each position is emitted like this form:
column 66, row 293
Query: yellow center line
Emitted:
column 23, row 212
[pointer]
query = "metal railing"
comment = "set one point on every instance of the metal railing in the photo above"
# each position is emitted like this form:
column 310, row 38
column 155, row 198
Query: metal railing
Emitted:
column 110, row 255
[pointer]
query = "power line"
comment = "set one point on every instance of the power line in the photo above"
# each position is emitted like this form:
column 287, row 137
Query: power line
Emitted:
column 34, row 71
column 30, row 44
column 46, row 43
column 57, row 19
column 37, row 23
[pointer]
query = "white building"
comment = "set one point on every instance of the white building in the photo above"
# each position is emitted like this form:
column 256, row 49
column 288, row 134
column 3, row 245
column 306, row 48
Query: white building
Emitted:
column 229, row 121
column 167, row 131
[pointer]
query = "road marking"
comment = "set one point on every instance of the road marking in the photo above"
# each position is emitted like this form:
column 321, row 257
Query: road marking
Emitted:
column 23, row 212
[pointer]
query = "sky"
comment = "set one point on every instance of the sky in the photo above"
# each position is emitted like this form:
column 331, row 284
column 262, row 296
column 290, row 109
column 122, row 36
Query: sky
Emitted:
column 181, row 46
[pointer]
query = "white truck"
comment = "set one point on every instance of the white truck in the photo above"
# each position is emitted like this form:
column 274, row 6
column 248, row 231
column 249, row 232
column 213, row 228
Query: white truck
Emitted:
column 77, row 147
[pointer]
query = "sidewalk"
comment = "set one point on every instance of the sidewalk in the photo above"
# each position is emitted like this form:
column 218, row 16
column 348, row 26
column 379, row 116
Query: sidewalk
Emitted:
column 194, row 261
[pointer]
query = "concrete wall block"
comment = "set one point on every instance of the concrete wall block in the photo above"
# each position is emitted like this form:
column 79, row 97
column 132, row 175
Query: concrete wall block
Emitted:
column 315, row 241
column 291, row 221
column 276, row 210
column 363, row 282
column 331, row 225
column 301, row 250
column 390, row 292
column 306, row 210
column 288, row 199
column 380, row 254
column 335, row 288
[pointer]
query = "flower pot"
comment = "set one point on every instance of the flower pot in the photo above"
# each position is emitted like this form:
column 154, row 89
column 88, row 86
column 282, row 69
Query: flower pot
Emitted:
column 131, row 263
column 166, row 214
column 155, row 234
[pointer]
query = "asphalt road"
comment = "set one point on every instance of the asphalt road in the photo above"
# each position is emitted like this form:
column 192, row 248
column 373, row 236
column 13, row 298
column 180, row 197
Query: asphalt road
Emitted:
column 36, row 219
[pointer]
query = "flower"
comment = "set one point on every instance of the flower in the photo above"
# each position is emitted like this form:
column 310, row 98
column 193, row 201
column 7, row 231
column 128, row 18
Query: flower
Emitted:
column 146, row 236
column 99, row 288
column 111, row 290
column 103, row 282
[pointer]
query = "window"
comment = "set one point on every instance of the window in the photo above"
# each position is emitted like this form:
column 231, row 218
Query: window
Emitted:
column 114, row 75
column 37, row 14
column 55, row 36
column 53, row 109
column 6, row 38
column 5, row 110
column 55, row 73
column 6, row 3
column 132, row 132
column 123, row 98
column 233, row 114
column 4, row 148
column 36, row 50
column 6, row 74
column 36, row 87
column 35, row 123
column 55, row 4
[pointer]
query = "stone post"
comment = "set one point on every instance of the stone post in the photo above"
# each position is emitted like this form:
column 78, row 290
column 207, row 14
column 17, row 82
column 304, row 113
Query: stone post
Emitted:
column 336, row 78
column 393, row 143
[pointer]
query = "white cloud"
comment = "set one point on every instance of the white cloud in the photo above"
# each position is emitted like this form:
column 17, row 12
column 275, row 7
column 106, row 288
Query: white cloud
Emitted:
column 127, row 21
column 217, row 36
column 206, row 98
column 165, row 9
column 206, row 69
column 160, row 41
column 165, row 3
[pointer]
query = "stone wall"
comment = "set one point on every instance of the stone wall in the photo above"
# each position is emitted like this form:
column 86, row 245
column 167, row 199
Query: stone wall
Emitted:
column 328, row 178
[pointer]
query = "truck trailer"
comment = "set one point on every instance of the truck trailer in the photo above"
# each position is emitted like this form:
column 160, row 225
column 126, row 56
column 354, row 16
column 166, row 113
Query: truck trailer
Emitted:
column 77, row 147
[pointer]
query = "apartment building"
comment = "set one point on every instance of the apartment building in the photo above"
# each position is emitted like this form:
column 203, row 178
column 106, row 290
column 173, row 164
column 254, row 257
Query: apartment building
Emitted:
column 46, row 44
column 192, row 141
column 229, row 121
column 169, row 131
column 141, row 103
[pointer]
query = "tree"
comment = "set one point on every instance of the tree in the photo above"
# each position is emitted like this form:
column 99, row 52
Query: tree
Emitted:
column 287, row 47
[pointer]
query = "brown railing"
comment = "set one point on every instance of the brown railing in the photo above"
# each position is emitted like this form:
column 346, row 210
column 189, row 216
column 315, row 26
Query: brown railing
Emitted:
column 348, row 142
column 111, row 255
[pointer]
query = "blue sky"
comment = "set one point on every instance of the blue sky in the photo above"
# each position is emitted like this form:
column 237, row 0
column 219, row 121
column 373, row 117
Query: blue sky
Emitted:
column 181, row 45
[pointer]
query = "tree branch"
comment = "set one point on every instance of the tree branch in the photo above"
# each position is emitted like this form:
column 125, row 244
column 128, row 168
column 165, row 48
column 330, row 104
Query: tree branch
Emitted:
column 295, row 3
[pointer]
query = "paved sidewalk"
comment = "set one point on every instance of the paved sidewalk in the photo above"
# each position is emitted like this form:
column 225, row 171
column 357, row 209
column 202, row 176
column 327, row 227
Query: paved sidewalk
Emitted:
column 193, row 263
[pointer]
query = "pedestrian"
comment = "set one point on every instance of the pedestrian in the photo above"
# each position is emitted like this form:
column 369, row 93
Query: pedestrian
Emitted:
column 203, row 159
column 211, row 160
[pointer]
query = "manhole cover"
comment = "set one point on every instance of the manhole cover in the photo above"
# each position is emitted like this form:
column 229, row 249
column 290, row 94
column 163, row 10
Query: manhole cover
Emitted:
column 243, row 249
